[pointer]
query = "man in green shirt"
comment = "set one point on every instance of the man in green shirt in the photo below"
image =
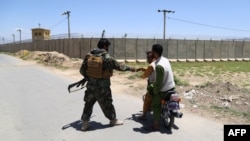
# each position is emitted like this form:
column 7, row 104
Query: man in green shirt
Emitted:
column 164, row 82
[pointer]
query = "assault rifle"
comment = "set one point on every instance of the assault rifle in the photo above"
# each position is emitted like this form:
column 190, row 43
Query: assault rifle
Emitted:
column 77, row 84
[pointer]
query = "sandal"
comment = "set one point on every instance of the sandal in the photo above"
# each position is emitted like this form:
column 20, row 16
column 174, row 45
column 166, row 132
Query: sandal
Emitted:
column 142, row 118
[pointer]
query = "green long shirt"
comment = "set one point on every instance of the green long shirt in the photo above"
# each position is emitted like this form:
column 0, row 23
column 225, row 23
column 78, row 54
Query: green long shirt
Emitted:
column 159, row 79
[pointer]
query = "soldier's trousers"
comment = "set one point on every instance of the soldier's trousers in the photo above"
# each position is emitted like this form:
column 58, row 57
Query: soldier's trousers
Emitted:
column 101, row 95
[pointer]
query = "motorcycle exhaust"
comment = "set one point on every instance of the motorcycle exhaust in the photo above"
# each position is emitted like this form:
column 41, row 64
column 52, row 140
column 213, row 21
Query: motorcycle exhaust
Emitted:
column 177, row 114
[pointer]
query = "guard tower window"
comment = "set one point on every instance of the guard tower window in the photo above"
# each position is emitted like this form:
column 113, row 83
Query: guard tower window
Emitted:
column 40, row 34
column 35, row 34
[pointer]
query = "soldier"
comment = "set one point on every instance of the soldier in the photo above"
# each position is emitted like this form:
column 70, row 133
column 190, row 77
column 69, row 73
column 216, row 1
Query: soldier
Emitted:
column 97, row 68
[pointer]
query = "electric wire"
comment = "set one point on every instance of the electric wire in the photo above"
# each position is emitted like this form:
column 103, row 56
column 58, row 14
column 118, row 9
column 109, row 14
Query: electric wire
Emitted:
column 212, row 26
column 58, row 23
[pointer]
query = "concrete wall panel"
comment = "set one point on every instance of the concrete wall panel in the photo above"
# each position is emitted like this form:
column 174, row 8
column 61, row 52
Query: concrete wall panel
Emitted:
column 182, row 49
column 77, row 48
column 246, row 50
column 164, row 44
column 54, row 45
column 119, row 49
column 239, row 49
column 200, row 47
column 112, row 46
column 224, row 49
column 208, row 50
column 61, row 45
column 172, row 49
column 150, row 43
column 131, row 49
column 66, row 47
column 216, row 49
column 141, row 48
column 190, row 49
column 85, row 47
column 93, row 43
column 231, row 50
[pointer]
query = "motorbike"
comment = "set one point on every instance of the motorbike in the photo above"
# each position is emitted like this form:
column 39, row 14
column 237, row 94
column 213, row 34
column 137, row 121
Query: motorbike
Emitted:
column 170, row 109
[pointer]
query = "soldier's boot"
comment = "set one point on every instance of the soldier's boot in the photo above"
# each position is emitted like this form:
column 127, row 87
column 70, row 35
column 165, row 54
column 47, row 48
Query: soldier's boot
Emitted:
column 85, row 126
column 116, row 122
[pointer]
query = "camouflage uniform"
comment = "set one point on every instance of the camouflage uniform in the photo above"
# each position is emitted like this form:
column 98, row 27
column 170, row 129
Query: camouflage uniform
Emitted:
column 99, row 89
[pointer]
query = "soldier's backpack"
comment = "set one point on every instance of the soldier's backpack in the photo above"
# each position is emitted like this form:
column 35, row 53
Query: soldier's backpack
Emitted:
column 95, row 67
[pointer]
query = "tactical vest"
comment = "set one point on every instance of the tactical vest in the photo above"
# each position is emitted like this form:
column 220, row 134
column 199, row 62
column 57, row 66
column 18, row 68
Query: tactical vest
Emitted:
column 95, row 67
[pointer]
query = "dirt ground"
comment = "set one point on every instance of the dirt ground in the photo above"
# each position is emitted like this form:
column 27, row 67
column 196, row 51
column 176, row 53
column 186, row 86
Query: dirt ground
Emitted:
column 218, row 99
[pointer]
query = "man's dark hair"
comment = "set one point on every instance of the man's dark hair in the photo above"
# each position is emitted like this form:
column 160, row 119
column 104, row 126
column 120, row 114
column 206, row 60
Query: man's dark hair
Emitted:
column 103, row 42
column 149, row 52
column 158, row 49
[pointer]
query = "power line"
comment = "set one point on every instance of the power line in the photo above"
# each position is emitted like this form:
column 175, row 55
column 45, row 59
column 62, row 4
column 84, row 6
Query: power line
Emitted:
column 212, row 26
column 58, row 23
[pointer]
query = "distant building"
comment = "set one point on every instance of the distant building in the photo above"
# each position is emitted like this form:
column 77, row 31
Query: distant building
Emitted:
column 40, row 34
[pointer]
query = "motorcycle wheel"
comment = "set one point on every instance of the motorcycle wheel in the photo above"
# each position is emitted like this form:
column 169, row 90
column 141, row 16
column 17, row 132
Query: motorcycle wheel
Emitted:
column 171, row 122
column 168, row 121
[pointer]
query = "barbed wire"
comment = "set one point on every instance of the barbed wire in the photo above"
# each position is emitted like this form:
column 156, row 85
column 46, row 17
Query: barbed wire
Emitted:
column 134, row 35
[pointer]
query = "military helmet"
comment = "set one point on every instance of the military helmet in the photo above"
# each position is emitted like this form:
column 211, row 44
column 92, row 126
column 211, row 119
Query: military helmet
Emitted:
column 103, row 42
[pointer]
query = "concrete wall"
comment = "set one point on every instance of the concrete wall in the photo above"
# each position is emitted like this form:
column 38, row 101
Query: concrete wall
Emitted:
column 246, row 50
column 190, row 45
column 164, row 43
column 182, row 50
column 119, row 48
column 130, row 53
column 135, row 49
column 172, row 49
column 224, row 50
column 200, row 49
column 141, row 49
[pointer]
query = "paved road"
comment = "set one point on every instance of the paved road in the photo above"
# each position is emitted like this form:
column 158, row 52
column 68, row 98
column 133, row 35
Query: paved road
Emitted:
column 35, row 106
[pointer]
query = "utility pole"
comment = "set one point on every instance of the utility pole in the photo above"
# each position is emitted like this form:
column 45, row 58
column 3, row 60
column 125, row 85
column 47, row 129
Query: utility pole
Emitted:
column 13, row 38
column 125, row 35
column 3, row 40
column 68, row 14
column 103, row 33
column 19, row 30
column 164, row 14
column 125, row 48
